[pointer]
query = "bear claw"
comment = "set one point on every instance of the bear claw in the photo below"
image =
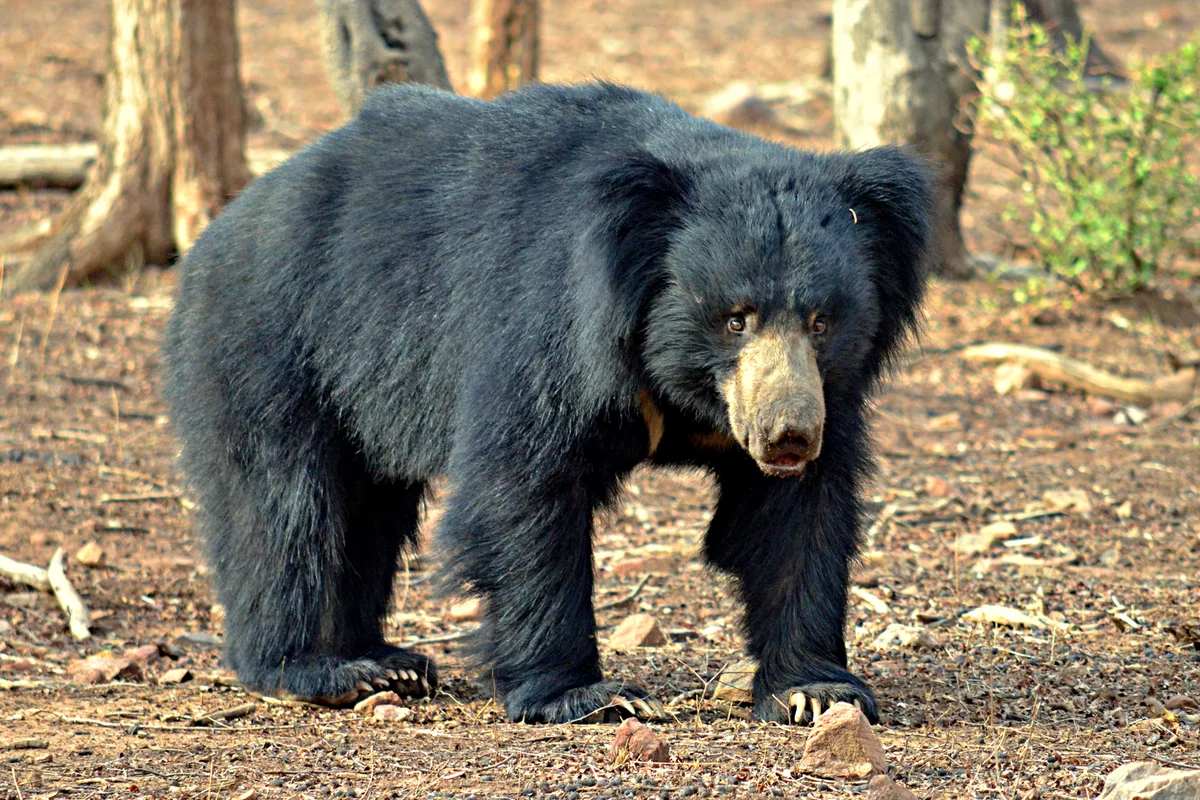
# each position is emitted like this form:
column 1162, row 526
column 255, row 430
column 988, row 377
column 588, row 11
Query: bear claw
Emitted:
column 805, row 704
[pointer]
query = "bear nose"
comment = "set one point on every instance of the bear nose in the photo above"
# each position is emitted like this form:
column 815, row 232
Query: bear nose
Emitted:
column 790, row 442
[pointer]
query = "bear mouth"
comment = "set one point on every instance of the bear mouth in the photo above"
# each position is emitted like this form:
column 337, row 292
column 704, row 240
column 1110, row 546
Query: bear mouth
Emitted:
column 783, row 467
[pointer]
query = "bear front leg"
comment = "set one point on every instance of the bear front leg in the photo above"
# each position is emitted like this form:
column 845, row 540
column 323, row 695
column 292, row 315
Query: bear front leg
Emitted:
column 790, row 541
column 525, row 546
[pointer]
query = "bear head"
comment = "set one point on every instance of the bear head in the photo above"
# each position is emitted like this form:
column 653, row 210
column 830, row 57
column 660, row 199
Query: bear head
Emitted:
column 768, row 284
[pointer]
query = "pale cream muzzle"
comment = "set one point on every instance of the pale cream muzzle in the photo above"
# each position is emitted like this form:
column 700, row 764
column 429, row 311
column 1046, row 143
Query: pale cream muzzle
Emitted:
column 776, row 401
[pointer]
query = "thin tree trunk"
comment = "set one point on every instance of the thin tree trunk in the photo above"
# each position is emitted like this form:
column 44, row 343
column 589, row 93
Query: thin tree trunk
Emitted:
column 504, row 46
column 173, row 146
column 900, row 71
column 371, row 42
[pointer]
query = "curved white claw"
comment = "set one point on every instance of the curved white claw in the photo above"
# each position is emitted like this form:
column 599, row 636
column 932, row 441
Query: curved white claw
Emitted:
column 858, row 704
column 363, row 686
column 410, row 675
column 798, row 701
column 380, row 683
column 816, row 710
column 621, row 702
column 392, row 674
column 425, row 685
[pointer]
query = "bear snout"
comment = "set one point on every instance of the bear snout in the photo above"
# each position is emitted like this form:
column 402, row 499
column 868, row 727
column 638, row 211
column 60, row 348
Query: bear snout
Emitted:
column 776, row 402
column 789, row 436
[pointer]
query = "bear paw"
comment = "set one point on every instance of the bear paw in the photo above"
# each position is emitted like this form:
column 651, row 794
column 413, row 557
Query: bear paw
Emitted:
column 804, row 704
column 341, row 683
column 607, row 701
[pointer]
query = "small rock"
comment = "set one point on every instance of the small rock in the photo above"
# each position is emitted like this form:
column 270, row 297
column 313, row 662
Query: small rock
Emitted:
column 641, row 566
column 217, row 612
column 1146, row 780
column 905, row 637
column 368, row 705
column 1013, row 377
column 882, row 787
column 392, row 713
column 1068, row 500
column 1167, row 409
column 1101, row 407
column 22, row 599
column 145, row 655
column 1124, row 511
column 972, row 544
column 177, row 675
column 5, row 627
column 466, row 610
column 249, row 794
column 636, row 742
column 1182, row 703
column 199, row 638
column 735, row 683
column 91, row 555
column 842, row 745
column 637, row 630
column 1130, row 415
column 104, row 667
column 937, row 487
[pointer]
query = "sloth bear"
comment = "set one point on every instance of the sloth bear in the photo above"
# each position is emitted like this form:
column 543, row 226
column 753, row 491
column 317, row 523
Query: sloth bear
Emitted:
column 530, row 297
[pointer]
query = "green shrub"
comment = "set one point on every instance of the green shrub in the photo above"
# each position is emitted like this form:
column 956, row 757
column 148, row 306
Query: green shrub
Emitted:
column 1108, row 183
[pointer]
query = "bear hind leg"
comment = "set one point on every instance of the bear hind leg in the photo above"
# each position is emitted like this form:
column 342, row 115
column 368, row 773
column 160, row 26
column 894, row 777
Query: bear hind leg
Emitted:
column 304, row 564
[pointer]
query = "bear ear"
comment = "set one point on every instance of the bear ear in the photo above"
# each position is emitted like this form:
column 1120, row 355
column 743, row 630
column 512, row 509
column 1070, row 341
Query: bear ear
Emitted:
column 642, row 202
column 891, row 194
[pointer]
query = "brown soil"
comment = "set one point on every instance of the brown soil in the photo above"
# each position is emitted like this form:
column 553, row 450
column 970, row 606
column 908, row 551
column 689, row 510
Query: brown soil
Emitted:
column 86, row 455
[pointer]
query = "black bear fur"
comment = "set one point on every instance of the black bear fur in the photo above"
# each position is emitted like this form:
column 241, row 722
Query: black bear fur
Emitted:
column 495, row 293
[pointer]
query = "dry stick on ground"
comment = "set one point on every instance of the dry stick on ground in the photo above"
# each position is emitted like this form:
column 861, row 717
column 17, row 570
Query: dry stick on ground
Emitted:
column 1076, row 374
column 65, row 166
column 27, row 574
column 77, row 613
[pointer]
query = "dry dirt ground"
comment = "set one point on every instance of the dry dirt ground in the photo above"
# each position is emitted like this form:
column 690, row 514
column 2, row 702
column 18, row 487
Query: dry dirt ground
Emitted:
column 990, row 711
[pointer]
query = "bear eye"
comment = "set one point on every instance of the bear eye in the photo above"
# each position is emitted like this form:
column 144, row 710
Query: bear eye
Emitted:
column 818, row 326
column 736, row 323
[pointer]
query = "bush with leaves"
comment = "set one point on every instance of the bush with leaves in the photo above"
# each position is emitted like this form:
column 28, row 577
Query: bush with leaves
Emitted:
column 1108, row 172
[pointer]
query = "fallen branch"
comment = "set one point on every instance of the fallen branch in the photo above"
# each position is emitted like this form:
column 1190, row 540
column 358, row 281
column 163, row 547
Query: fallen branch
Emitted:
column 26, row 574
column 1076, row 374
column 64, row 166
column 620, row 601
column 77, row 613
column 237, row 712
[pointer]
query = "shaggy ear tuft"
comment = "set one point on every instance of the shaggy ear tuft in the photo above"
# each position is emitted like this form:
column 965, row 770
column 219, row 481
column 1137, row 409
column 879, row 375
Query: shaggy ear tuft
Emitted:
column 891, row 193
column 642, row 200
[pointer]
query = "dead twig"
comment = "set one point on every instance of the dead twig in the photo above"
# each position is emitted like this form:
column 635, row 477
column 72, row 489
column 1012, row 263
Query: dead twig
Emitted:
column 26, row 574
column 441, row 637
column 78, row 618
column 237, row 712
column 1076, row 374
column 137, row 498
column 620, row 601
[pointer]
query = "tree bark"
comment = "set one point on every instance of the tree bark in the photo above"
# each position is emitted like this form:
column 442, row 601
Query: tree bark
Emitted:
column 504, row 46
column 900, row 74
column 370, row 42
column 900, row 70
column 173, row 144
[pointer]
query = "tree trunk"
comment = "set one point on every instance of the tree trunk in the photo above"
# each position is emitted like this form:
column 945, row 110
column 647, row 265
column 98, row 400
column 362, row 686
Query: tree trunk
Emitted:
column 504, row 46
column 173, row 144
column 900, row 71
column 371, row 42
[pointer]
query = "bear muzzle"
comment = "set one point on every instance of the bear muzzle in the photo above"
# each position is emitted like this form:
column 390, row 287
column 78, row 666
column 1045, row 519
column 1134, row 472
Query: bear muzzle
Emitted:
column 776, row 402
